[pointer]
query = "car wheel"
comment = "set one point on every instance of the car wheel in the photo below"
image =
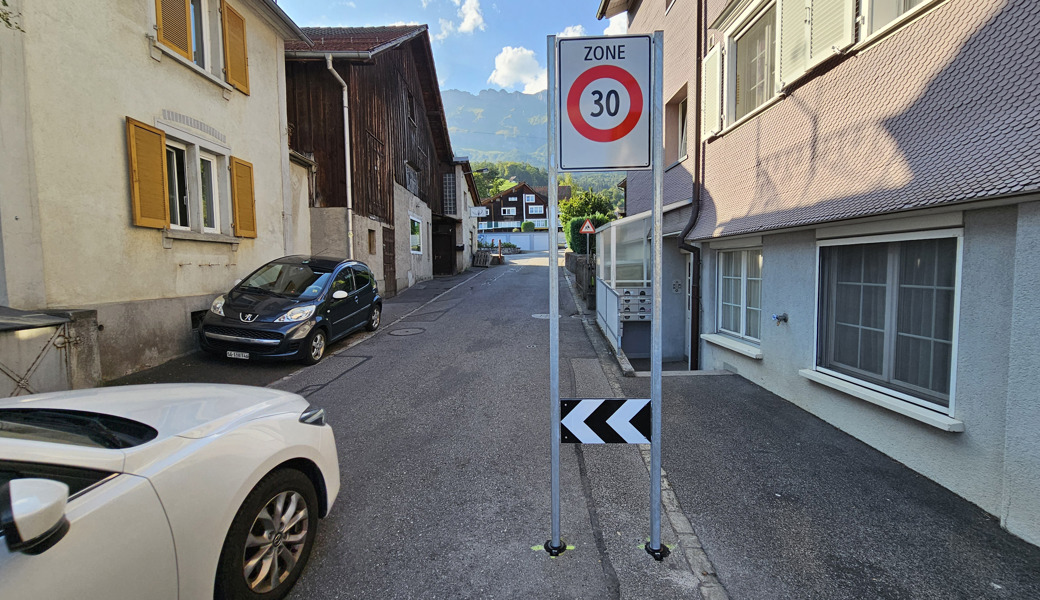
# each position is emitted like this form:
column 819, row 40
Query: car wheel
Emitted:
column 373, row 318
column 270, row 539
column 314, row 347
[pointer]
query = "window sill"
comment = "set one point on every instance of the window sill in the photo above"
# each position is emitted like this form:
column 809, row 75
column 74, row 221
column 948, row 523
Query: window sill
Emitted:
column 735, row 345
column 158, row 49
column 176, row 234
column 681, row 160
column 748, row 117
column 906, row 409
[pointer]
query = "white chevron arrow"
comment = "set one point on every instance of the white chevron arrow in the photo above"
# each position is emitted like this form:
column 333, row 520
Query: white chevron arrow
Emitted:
column 575, row 421
column 621, row 421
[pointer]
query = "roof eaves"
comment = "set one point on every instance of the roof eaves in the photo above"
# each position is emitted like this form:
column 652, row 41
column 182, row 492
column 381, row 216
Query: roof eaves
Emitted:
column 289, row 28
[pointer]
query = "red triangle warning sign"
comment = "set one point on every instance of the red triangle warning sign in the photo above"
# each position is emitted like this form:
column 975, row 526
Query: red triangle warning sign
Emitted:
column 587, row 227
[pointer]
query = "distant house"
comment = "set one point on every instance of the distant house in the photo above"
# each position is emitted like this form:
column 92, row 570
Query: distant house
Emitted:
column 507, row 210
column 364, row 104
column 145, row 164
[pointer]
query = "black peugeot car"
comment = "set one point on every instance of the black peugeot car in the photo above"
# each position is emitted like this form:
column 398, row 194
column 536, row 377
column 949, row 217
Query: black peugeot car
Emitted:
column 292, row 307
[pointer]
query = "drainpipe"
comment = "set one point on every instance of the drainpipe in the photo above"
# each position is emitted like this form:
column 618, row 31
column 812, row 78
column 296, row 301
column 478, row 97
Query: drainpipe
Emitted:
column 695, row 252
column 346, row 155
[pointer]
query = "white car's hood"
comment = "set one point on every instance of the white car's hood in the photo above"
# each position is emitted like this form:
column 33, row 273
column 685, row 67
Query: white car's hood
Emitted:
column 185, row 410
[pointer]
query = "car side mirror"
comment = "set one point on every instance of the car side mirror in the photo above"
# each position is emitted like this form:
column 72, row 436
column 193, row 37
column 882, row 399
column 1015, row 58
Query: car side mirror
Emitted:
column 339, row 294
column 32, row 514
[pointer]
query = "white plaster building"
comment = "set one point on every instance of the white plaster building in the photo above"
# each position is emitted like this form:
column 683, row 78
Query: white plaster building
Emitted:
column 146, row 162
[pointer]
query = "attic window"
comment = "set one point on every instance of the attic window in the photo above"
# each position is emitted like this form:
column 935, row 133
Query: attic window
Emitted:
column 411, row 108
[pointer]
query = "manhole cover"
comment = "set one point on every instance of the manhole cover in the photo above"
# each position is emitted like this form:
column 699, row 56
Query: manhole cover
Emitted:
column 408, row 331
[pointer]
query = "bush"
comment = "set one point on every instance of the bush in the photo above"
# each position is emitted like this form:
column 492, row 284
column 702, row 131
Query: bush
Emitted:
column 527, row 226
column 575, row 240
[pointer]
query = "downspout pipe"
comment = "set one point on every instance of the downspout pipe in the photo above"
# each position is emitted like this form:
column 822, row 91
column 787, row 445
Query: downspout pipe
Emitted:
column 698, row 170
column 346, row 156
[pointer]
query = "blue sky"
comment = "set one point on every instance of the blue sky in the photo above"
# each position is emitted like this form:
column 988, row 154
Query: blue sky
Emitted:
column 477, row 44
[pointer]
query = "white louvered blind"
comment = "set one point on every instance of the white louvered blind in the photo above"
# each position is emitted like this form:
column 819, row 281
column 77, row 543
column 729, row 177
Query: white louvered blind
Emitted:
column 711, row 91
column 793, row 30
column 830, row 28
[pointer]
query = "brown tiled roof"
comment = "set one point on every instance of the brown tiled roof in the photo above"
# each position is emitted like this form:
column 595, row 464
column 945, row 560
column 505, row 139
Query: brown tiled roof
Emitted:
column 352, row 39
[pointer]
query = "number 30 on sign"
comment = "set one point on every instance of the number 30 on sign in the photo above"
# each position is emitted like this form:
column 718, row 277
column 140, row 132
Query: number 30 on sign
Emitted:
column 604, row 102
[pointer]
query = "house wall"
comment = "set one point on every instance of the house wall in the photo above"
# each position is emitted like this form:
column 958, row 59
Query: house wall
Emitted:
column 466, row 232
column 298, row 218
column 680, row 52
column 411, row 268
column 81, row 84
column 993, row 462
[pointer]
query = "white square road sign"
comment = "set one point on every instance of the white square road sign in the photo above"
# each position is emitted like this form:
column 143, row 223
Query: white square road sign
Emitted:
column 604, row 102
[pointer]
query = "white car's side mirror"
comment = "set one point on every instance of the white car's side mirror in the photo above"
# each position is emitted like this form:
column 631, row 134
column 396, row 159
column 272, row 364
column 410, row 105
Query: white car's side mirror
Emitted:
column 339, row 294
column 32, row 514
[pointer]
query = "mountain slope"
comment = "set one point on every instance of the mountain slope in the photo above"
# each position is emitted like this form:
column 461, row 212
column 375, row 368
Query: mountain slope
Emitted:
column 496, row 125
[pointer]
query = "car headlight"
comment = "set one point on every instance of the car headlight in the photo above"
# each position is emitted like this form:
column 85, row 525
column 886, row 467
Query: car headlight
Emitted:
column 218, row 306
column 300, row 313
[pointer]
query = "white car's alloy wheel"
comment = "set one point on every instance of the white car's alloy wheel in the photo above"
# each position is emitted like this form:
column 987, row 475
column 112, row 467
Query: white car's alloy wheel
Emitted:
column 275, row 542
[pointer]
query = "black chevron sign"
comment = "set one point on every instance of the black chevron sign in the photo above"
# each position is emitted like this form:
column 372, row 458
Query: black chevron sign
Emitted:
column 605, row 420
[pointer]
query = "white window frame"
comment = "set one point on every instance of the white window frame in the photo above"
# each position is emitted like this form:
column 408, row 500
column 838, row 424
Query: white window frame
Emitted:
column 214, row 191
column 898, row 395
column 512, row 198
column 743, row 333
column 682, row 144
column 412, row 222
column 536, row 209
column 212, row 38
column 528, row 198
column 183, row 186
column 866, row 18
column 195, row 148
column 748, row 19
column 508, row 211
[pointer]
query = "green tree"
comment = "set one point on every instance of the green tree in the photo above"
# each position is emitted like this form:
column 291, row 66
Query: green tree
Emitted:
column 576, row 240
column 526, row 226
column 584, row 203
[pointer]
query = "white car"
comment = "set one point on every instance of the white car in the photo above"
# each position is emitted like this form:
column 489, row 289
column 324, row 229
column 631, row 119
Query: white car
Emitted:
column 161, row 491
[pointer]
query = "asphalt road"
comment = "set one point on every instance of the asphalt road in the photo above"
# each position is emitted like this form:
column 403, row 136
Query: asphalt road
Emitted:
column 442, row 424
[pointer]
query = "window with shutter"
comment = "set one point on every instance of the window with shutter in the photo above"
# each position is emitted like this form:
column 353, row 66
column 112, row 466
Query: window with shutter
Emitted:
column 236, row 60
column 243, row 203
column 830, row 28
column 148, row 184
column 793, row 23
column 711, row 91
column 173, row 18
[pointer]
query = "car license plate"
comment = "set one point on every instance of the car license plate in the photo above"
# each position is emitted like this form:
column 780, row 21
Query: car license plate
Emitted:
column 233, row 354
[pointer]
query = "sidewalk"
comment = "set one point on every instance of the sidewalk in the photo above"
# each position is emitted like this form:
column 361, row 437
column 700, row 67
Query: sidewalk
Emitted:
column 787, row 506
column 200, row 367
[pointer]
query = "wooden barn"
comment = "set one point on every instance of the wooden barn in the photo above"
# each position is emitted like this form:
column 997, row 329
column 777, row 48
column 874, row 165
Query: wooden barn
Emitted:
column 363, row 103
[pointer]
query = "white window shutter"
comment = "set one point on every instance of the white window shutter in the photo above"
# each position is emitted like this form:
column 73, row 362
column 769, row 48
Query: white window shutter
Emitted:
column 711, row 91
column 794, row 51
column 830, row 28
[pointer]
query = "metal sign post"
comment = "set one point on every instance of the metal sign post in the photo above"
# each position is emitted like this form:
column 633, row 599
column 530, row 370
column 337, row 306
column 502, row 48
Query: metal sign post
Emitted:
column 654, row 547
column 554, row 546
column 605, row 108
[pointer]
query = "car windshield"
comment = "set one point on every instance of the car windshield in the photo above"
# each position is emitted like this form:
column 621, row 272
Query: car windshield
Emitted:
column 287, row 280
column 77, row 428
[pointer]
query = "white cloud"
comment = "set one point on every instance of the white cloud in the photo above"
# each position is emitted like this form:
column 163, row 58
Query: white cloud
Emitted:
column 572, row 31
column 516, row 66
column 618, row 25
column 472, row 19
column 447, row 28
column 426, row 3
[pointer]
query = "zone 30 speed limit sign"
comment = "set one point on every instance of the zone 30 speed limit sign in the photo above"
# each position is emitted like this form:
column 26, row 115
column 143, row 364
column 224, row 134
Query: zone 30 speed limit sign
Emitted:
column 604, row 102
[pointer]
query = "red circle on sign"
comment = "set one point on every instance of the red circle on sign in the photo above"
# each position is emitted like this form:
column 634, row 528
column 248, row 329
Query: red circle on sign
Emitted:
column 635, row 108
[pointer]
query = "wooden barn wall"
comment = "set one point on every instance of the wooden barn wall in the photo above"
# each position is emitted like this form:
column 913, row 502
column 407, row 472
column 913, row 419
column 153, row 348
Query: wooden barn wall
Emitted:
column 314, row 107
column 384, row 137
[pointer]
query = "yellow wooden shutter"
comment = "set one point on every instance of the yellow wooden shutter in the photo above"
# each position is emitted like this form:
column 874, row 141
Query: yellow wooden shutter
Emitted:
column 236, row 60
column 243, row 203
column 174, row 20
column 148, row 189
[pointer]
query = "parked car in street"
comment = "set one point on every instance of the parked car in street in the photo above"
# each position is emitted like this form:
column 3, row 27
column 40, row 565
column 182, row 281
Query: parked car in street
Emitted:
column 292, row 308
column 161, row 491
